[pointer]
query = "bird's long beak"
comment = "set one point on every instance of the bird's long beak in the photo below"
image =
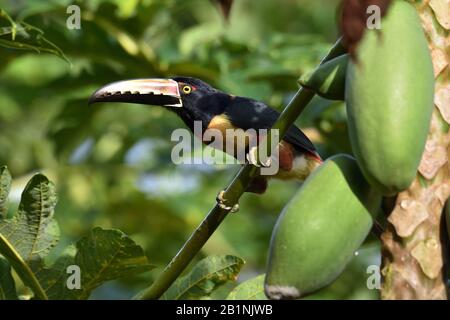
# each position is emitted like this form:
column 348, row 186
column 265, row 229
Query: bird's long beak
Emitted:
column 160, row 92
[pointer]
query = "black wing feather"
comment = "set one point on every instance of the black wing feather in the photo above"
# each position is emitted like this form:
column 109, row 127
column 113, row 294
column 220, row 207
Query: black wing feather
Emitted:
column 247, row 113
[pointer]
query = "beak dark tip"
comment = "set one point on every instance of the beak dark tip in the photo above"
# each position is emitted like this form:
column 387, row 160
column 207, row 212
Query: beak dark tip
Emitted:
column 94, row 98
column 91, row 100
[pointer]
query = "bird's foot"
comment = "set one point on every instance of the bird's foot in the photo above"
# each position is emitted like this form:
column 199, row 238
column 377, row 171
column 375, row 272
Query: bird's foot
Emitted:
column 252, row 157
column 221, row 202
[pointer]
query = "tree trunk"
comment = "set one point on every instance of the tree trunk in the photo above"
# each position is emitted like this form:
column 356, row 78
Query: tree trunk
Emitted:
column 414, row 242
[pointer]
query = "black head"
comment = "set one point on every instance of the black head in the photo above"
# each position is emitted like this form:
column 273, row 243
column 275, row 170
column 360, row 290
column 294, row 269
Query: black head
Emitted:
column 197, row 83
column 190, row 98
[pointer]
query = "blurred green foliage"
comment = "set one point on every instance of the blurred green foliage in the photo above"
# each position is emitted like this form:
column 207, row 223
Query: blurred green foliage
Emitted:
column 111, row 163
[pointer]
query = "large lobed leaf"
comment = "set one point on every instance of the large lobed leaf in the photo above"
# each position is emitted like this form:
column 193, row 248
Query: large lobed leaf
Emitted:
column 106, row 255
column 27, row 237
column 101, row 256
column 206, row 276
column 32, row 231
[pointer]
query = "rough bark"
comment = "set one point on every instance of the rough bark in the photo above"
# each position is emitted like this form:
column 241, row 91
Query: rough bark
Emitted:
column 413, row 244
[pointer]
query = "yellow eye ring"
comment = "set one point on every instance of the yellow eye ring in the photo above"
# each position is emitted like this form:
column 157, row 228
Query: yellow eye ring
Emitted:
column 187, row 89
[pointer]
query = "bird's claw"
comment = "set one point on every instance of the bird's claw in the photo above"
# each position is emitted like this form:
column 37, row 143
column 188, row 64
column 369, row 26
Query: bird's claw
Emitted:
column 252, row 157
column 221, row 202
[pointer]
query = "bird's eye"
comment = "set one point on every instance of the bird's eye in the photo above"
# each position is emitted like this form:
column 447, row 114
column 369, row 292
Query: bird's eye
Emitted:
column 187, row 89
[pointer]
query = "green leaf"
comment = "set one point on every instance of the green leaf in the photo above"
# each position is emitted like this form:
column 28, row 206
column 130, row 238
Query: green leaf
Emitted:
column 13, row 28
column 32, row 231
column 5, row 186
column 28, row 236
column 22, row 268
column 206, row 276
column 7, row 285
column 106, row 255
column 252, row 289
column 101, row 256
column 31, row 38
column 54, row 279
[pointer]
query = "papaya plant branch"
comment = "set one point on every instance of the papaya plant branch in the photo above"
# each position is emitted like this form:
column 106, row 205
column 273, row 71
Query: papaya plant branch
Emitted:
column 231, row 194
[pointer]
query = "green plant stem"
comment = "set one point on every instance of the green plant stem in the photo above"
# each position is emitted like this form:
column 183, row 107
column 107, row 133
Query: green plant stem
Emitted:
column 22, row 269
column 232, row 194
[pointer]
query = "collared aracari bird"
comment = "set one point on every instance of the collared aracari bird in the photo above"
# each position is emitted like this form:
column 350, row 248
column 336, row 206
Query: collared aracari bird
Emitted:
column 194, row 100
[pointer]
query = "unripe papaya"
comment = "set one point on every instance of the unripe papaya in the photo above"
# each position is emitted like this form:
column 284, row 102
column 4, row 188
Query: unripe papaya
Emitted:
column 389, row 98
column 319, row 230
column 328, row 80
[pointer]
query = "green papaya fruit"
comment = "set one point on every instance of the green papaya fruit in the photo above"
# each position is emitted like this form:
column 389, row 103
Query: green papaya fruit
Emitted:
column 328, row 80
column 319, row 230
column 389, row 97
